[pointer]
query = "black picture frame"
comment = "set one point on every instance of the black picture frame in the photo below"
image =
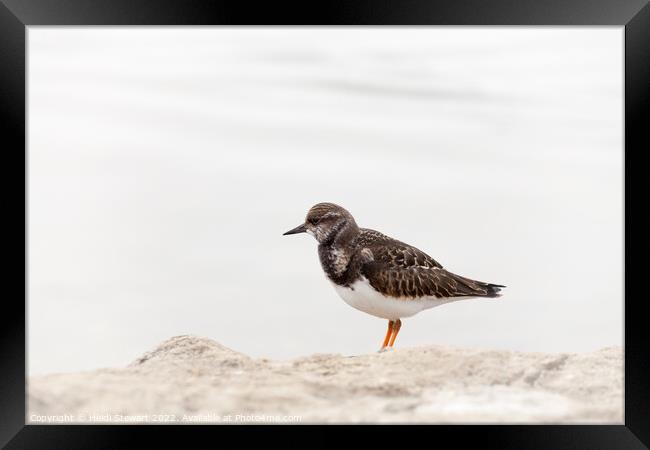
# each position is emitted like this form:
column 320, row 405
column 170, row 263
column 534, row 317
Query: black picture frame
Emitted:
column 16, row 15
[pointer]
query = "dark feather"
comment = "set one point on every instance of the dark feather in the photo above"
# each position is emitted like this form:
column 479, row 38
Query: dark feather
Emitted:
column 397, row 269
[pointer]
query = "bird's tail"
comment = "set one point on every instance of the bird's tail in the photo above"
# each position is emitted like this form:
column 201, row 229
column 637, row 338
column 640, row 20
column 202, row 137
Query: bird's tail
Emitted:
column 494, row 290
column 467, row 286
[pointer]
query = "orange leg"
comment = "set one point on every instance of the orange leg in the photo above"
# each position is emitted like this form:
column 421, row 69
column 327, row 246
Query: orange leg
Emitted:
column 388, row 334
column 397, row 325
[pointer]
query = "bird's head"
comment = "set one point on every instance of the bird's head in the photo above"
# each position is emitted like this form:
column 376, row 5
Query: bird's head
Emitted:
column 326, row 221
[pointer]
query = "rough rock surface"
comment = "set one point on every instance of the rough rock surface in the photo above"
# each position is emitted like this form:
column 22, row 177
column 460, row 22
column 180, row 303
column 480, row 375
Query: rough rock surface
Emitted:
column 194, row 379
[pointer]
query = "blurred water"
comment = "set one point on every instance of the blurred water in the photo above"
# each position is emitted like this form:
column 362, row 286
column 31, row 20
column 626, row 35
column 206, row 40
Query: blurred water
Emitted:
column 164, row 164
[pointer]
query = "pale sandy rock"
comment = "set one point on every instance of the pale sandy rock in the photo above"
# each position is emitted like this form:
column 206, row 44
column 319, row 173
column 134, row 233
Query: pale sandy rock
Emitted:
column 194, row 379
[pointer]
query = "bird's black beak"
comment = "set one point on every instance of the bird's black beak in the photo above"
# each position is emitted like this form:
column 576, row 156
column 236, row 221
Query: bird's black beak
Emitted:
column 298, row 229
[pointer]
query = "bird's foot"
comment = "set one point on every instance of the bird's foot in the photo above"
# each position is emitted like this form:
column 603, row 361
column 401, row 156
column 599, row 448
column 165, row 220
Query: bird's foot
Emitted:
column 384, row 349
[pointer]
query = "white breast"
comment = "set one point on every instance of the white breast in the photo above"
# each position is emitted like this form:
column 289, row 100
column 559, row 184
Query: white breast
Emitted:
column 362, row 296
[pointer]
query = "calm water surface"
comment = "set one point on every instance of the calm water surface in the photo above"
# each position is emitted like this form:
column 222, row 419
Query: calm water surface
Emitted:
column 165, row 163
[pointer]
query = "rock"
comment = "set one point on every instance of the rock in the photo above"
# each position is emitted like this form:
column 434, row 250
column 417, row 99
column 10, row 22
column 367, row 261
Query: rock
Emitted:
column 189, row 379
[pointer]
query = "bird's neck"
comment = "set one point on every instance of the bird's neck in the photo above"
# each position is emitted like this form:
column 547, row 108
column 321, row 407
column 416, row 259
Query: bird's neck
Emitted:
column 337, row 253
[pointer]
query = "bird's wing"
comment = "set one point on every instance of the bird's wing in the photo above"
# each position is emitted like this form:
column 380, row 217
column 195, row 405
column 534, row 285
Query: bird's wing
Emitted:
column 397, row 269
column 415, row 281
column 393, row 252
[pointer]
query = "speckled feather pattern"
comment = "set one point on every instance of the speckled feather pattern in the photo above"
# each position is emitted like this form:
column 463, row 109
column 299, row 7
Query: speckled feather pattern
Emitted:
column 348, row 253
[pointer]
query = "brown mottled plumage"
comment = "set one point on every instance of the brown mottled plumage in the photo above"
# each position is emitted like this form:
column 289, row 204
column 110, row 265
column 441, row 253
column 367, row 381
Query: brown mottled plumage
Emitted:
column 402, row 271
column 395, row 271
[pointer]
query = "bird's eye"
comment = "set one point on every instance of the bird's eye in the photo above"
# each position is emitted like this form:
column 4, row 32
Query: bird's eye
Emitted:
column 313, row 221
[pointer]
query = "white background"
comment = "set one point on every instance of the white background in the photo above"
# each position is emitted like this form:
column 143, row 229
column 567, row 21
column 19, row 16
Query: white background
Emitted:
column 165, row 163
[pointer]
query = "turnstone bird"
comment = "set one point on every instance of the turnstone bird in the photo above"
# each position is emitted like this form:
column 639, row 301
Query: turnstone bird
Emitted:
column 380, row 275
